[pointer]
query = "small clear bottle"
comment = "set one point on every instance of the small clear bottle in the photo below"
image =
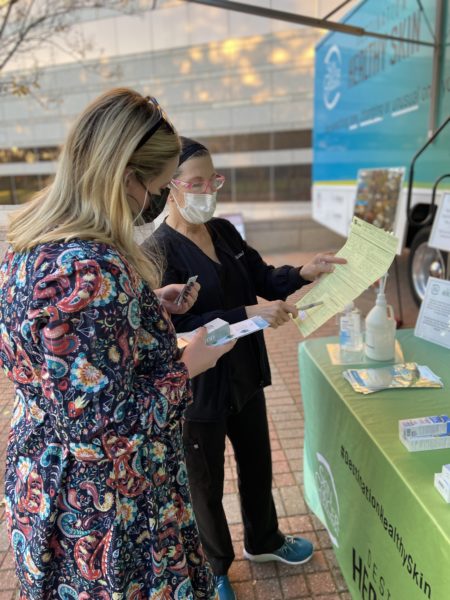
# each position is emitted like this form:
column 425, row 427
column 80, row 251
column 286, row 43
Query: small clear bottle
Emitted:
column 350, row 334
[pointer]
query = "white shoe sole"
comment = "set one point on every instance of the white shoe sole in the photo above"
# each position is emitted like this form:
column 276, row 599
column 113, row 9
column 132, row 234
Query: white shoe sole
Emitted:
column 262, row 558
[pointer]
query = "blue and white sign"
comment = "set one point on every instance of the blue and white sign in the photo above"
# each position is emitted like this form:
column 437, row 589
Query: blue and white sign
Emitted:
column 372, row 104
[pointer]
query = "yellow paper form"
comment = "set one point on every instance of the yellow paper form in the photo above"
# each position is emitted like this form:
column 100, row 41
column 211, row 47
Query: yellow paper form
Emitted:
column 369, row 252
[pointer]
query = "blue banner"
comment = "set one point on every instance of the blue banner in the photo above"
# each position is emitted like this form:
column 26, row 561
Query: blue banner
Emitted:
column 372, row 96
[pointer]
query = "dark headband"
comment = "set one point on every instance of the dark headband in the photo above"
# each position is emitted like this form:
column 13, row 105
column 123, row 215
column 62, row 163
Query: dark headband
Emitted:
column 149, row 133
column 189, row 150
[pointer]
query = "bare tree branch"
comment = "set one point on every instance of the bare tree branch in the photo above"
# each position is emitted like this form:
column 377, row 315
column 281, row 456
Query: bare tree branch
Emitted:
column 26, row 25
column 20, row 39
column 6, row 17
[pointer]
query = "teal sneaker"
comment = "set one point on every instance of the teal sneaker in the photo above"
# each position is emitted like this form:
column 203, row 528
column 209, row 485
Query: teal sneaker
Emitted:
column 224, row 588
column 294, row 551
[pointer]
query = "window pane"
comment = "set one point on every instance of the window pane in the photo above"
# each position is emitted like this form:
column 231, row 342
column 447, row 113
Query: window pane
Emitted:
column 5, row 190
column 26, row 186
column 284, row 140
column 225, row 194
column 249, row 142
column 253, row 184
column 28, row 155
column 292, row 182
column 218, row 143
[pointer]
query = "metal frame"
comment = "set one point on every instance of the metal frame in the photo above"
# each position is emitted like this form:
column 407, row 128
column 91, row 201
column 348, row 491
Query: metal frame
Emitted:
column 324, row 23
column 411, row 171
column 289, row 17
column 437, row 60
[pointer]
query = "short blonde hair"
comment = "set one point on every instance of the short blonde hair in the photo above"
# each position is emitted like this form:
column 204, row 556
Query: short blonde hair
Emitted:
column 87, row 198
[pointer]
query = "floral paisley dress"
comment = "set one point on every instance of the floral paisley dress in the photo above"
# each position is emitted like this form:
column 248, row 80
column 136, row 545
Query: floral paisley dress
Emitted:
column 96, row 489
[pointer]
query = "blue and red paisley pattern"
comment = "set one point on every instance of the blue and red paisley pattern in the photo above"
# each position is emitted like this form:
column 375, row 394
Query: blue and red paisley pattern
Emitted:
column 96, row 488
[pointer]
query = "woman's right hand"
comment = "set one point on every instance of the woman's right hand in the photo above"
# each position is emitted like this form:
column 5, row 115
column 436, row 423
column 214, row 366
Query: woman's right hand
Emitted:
column 199, row 357
column 276, row 313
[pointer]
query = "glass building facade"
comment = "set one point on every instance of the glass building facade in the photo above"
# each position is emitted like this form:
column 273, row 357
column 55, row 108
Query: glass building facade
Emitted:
column 241, row 84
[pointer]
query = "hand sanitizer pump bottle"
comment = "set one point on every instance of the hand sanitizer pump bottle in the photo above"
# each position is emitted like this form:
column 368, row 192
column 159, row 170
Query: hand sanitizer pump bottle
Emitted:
column 380, row 329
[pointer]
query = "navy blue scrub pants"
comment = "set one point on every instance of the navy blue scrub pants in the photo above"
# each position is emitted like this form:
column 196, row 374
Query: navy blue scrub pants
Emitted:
column 204, row 444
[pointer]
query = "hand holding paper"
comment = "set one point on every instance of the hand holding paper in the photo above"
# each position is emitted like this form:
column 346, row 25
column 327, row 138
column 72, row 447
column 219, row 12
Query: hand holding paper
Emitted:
column 198, row 356
column 320, row 264
column 369, row 252
column 220, row 332
column 276, row 313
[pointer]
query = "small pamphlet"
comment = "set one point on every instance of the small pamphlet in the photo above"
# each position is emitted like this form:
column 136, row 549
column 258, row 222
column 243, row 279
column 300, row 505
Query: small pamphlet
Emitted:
column 424, row 426
column 218, row 334
column 243, row 328
column 403, row 375
column 433, row 322
column 427, row 442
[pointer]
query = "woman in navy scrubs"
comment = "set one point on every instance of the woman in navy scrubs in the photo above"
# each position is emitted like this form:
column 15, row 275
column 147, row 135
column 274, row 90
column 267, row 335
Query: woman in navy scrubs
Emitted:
column 229, row 399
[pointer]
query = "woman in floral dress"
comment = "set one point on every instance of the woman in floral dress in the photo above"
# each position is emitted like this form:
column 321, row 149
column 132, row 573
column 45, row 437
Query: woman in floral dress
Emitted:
column 96, row 490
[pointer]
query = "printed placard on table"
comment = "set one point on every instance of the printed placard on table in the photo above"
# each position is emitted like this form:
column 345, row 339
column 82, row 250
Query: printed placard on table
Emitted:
column 440, row 232
column 433, row 322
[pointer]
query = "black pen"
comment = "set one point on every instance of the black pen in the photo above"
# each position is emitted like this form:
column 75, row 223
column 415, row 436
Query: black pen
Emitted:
column 312, row 305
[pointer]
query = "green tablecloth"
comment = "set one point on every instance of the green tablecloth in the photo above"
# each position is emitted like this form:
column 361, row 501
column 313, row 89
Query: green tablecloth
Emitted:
column 389, row 525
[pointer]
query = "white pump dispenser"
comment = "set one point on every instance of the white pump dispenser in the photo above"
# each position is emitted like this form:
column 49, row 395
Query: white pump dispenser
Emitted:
column 380, row 328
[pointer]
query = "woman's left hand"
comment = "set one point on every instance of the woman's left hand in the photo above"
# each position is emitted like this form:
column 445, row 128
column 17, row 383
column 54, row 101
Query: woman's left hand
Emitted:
column 168, row 294
column 321, row 263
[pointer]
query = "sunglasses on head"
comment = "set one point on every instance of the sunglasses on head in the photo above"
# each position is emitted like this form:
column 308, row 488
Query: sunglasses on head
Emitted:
column 162, row 118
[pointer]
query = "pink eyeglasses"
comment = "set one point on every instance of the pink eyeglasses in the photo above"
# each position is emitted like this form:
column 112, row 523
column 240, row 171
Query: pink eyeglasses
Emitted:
column 200, row 187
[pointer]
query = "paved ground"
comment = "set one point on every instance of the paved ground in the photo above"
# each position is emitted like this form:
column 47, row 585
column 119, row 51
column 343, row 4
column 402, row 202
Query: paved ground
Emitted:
column 320, row 579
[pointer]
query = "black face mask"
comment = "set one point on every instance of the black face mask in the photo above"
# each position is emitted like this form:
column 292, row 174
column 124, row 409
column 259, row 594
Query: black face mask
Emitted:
column 157, row 204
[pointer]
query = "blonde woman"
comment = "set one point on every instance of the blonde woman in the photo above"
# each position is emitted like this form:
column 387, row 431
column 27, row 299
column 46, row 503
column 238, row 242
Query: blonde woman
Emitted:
column 96, row 487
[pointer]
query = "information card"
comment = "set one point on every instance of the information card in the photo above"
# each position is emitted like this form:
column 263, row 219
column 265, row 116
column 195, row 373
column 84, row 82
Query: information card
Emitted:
column 433, row 322
column 440, row 233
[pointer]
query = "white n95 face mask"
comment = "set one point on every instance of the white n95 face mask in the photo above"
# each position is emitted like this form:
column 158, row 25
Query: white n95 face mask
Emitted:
column 198, row 208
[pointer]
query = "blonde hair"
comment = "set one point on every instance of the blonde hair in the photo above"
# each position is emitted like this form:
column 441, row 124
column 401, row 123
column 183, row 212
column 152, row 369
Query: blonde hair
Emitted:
column 87, row 198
